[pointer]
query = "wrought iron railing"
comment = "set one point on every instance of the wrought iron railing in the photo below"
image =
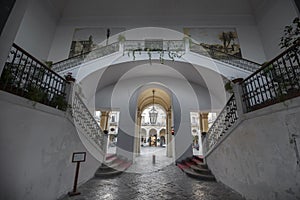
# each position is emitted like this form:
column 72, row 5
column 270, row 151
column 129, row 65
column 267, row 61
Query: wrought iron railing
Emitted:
column 154, row 45
column 224, row 121
column 224, row 57
column 85, row 57
column 173, row 47
column 25, row 76
column 85, row 120
column 277, row 81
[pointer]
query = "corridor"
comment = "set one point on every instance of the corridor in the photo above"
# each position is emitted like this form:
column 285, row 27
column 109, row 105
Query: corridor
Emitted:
column 144, row 180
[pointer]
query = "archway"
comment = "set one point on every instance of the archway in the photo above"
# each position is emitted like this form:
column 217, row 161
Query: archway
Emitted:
column 162, row 137
column 152, row 138
column 156, row 132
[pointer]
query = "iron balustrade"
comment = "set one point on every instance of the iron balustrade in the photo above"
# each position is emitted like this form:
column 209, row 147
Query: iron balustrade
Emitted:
column 277, row 81
column 26, row 76
column 85, row 57
column 173, row 47
column 225, row 57
column 154, row 45
column 85, row 120
column 224, row 121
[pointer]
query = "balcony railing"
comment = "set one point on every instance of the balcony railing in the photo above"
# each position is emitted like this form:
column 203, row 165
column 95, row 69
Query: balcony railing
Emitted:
column 224, row 121
column 224, row 57
column 154, row 45
column 174, row 49
column 277, row 81
column 85, row 120
column 25, row 76
column 85, row 57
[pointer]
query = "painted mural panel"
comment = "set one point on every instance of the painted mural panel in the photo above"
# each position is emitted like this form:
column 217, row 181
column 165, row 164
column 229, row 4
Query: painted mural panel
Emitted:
column 223, row 39
column 87, row 39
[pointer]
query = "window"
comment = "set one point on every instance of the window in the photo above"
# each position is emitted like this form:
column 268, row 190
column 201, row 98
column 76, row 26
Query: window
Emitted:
column 113, row 118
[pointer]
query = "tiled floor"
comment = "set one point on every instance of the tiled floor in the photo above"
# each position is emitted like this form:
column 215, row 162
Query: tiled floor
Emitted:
column 145, row 180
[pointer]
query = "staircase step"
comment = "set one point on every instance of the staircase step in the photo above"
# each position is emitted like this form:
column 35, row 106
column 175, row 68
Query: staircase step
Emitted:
column 108, row 156
column 188, row 163
column 196, row 175
column 196, row 161
column 112, row 167
column 123, row 166
column 200, row 170
column 107, row 174
column 200, row 158
column 116, row 163
column 111, row 160
column 104, row 169
column 203, row 165
column 182, row 166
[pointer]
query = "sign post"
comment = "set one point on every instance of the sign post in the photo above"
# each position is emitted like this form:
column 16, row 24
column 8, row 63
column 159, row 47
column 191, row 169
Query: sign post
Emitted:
column 77, row 157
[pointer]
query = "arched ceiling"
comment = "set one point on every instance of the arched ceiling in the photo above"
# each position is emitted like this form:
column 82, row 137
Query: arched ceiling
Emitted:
column 161, row 97
column 178, row 70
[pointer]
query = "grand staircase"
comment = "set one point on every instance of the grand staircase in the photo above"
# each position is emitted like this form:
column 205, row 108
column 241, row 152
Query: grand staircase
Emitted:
column 112, row 166
column 196, row 168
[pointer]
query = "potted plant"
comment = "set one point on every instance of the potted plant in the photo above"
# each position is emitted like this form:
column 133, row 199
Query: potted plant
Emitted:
column 48, row 64
column 69, row 77
column 59, row 102
column 291, row 34
column 228, row 86
column 121, row 38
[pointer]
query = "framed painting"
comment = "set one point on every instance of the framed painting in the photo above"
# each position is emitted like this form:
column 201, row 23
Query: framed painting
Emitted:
column 222, row 39
column 87, row 39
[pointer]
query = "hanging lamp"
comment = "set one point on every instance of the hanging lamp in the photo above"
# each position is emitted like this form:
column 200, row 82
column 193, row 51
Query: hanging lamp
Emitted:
column 153, row 113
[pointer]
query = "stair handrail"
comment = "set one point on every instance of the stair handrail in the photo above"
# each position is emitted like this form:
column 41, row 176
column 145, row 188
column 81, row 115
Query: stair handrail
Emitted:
column 277, row 81
column 258, row 91
column 227, row 58
column 226, row 119
column 88, row 124
column 84, row 57
column 26, row 76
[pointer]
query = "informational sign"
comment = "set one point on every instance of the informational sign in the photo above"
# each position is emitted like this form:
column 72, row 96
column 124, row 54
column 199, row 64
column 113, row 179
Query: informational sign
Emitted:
column 79, row 157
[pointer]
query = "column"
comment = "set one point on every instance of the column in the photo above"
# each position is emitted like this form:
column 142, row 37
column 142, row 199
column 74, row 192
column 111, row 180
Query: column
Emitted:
column 169, row 134
column 104, row 120
column 139, row 122
column 204, row 122
column 104, row 124
column 137, row 141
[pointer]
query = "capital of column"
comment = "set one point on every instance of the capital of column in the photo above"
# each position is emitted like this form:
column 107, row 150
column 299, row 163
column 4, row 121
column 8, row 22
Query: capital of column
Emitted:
column 204, row 115
column 104, row 113
column 139, row 113
column 169, row 112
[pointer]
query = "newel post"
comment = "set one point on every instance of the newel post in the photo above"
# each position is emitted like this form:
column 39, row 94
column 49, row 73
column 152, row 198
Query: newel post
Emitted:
column 69, row 92
column 186, row 41
column 238, row 94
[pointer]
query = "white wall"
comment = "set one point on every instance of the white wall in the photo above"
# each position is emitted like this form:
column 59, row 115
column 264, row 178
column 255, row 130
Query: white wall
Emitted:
column 37, row 29
column 271, row 17
column 258, row 159
column 36, row 151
